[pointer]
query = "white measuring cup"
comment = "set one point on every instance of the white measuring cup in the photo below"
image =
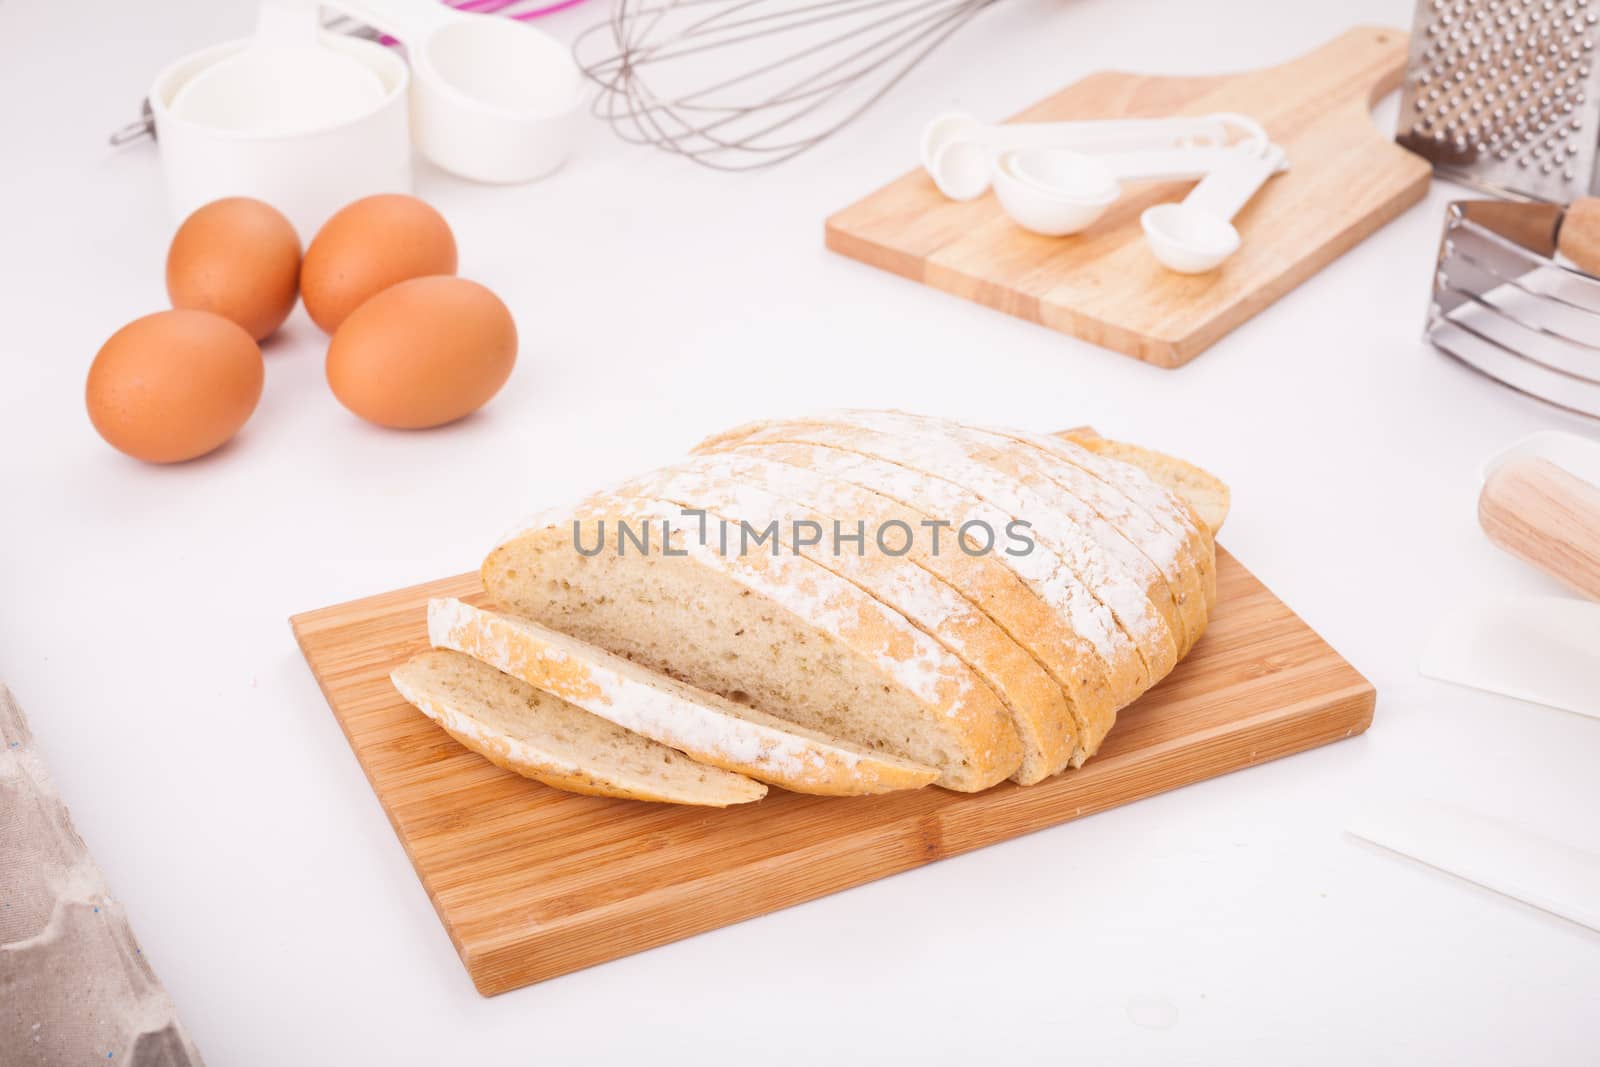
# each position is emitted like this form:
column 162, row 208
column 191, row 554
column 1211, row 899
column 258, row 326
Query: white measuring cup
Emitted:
column 492, row 99
column 1197, row 234
column 284, row 81
column 959, row 152
column 307, row 173
column 1056, row 191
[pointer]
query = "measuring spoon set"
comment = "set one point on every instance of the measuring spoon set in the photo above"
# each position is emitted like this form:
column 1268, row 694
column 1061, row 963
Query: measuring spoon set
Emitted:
column 1058, row 178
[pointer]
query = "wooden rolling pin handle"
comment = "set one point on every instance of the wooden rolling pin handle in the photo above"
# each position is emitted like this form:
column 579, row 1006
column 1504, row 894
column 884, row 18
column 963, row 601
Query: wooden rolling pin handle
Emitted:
column 1540, row 513
column 1579, row 235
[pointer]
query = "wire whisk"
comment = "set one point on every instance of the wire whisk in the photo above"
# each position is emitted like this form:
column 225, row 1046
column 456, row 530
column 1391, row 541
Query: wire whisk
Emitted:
column 743, row 84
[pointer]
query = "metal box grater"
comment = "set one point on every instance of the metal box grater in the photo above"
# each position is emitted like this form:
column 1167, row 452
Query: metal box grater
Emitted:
column 1504, row 95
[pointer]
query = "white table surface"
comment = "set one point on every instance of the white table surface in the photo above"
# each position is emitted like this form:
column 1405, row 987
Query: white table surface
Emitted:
column 143, row 610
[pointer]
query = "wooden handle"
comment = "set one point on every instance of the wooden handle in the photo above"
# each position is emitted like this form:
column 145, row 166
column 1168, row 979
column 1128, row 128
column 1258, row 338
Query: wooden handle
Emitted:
column 1540, row 513
column 1579, row 236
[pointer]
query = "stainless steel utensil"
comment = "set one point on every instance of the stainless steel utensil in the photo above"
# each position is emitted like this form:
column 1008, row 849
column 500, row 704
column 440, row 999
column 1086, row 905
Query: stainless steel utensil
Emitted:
column 1503, row 305
column 1504, row 95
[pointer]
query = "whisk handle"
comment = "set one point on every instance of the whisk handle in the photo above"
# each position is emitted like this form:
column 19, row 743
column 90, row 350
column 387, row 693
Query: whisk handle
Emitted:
column 1579, row 236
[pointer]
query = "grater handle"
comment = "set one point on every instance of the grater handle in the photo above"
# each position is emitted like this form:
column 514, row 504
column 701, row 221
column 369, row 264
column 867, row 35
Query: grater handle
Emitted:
column 1579, row 236
column 1546, row 516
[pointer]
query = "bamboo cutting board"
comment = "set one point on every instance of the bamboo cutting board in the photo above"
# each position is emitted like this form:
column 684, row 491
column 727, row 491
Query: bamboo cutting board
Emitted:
column 1103, row 285
column 531, row 882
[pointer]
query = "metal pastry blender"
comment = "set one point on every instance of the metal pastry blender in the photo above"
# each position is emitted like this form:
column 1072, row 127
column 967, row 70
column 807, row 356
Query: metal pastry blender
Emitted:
column 1503, row 304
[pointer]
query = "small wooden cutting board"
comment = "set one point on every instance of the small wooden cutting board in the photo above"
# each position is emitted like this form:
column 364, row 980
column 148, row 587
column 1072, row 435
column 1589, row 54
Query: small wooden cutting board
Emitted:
column 531, row 882
column 1345, row 180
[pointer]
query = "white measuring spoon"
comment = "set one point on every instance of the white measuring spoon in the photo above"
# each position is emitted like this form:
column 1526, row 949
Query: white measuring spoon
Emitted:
column 285, row 81
column 1196, row 235
column 1056, row 192
column 958, row 151
column 492, row 98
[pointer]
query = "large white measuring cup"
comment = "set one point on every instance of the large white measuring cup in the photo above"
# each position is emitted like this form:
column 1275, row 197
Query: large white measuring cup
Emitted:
column 492, row 99
column 284, row 81
column 307, row 152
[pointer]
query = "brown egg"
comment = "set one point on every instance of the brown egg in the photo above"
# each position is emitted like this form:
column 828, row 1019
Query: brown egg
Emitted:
column 423, row 353
column 239, row 258
column 367, row 247
column 174, row 385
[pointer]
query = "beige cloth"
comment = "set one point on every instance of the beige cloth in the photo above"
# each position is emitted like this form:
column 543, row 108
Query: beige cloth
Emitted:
column 75, row 988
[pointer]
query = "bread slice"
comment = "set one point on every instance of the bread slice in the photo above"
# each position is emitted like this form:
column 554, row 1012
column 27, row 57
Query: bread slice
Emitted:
column 738, row 487
column 1049, row 620
column 1207, row 494
column 517, row 727
column 700, row 724
column 1141, row 643
column 775, row 632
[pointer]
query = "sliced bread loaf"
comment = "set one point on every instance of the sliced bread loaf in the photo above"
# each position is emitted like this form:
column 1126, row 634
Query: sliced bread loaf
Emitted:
column 539, row 736
column 776, row 632
column 738, row 487
column 701, row 724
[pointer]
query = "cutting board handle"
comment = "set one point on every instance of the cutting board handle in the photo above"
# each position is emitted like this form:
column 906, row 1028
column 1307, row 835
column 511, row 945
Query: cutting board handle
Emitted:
column 1370, row 62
